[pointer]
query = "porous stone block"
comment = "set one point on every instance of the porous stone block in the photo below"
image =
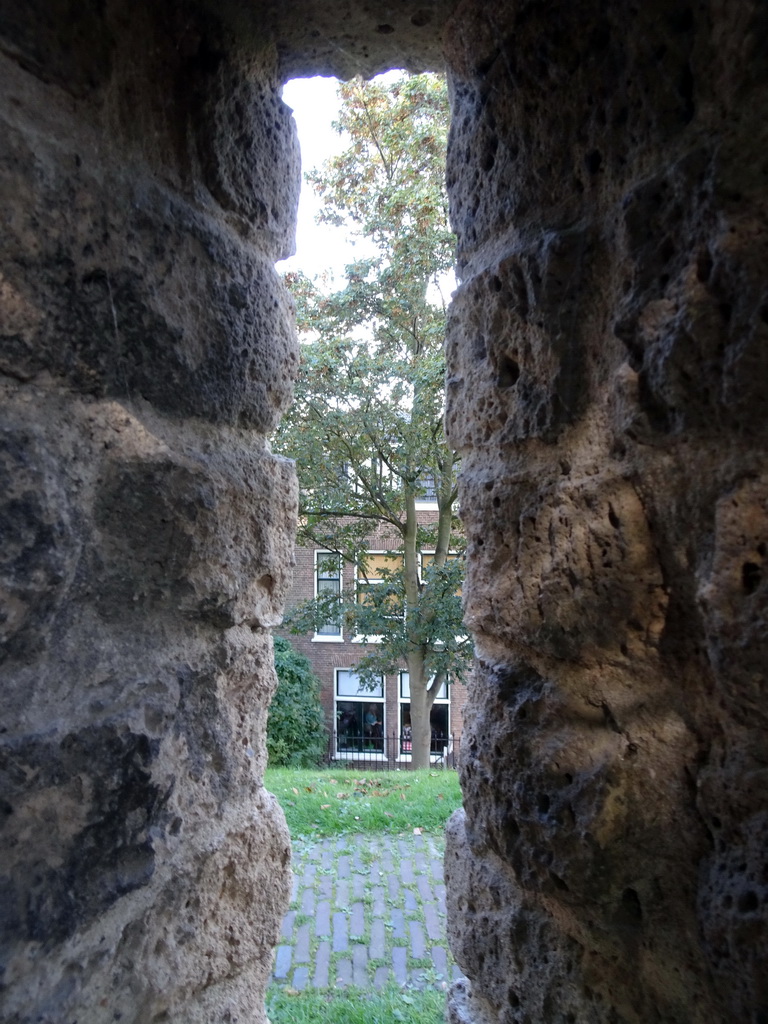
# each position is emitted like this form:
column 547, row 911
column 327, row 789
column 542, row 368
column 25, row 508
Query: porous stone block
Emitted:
column 605, row 349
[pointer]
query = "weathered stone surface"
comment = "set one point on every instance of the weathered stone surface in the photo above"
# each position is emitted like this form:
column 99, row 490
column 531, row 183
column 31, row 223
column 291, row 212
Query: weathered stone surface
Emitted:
column 145, row 351
column 136, row 591
column 348, row 38
column 209, row 337
column 607, row 366
column 607, row 356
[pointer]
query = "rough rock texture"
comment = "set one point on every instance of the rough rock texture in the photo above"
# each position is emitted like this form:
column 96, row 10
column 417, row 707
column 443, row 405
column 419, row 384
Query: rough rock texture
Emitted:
column 607, row 389
column 148, row 180
column 608, row 360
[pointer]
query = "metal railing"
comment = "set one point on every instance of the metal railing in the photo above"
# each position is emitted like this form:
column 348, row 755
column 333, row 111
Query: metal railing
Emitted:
column 388, row 751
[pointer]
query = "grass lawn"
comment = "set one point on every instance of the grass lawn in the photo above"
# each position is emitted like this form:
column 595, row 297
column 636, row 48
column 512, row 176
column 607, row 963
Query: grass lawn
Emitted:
column 330, row 802
column 356, row 1006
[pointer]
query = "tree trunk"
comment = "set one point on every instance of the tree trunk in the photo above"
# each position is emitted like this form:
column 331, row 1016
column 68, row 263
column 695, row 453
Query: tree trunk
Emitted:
column 421, row 732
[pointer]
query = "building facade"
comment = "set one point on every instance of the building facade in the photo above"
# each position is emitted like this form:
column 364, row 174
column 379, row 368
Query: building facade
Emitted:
column 364, row 723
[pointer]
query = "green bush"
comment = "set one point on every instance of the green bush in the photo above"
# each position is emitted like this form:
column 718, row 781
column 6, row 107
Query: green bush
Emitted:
column 296, row 734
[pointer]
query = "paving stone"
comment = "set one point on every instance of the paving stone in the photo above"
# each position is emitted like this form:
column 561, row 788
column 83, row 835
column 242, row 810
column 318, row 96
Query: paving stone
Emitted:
column 322, row 964
column 287, row 929
column 378, row 946
column 360, row 966
column 323, row 919
column 301, row 946
column 294, row 888
column 456, row 972
column 357, row 921
column 417, row 978
column 380, row 977
column 337, row 908
column 398, row 924
column 418, row 945
column 439, row 960
column 342, row 867
column 342, row 894
column 399, row 964
column 308, row 902
column 300, row 978
column 378, row 896
column 283, row 957
column 340, row 943
column 343, row 973
column 435, row 925
column 425, row 889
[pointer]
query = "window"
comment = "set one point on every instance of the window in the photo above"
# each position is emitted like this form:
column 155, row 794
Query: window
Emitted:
column 328, row 585
column 377, row 565
column 359, row 715
column 439, row 718
column 427, row 490
column 428, row 557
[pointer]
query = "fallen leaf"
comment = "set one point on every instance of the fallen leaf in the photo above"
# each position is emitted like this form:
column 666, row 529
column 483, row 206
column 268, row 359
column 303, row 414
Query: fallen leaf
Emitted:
column 417, row 831
column 388, row 814
column 294, row 790
column 324, row 807
column 402, row 796
column 334, row 782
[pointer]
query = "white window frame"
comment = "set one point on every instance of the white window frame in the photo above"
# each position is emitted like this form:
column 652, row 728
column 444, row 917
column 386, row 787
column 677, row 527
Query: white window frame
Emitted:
column 361, row 697
column 401, row 700
column 321, row 555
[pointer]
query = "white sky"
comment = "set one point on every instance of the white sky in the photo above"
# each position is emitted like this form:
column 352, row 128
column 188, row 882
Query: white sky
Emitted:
column 320, row 248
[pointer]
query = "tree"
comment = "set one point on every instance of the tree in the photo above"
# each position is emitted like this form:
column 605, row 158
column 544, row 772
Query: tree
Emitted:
column 366, row 428
column 295, row 727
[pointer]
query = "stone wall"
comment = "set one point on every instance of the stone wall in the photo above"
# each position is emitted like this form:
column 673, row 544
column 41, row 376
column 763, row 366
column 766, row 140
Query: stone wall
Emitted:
column 607, row 390
column 148, row 182
column 608, row 363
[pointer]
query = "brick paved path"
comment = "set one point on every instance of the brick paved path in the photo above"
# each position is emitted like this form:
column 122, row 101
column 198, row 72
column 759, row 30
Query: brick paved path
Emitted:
column 366, row 910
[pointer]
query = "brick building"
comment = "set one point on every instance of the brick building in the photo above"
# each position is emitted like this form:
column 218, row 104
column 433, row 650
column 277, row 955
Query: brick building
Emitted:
column 363, row 723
